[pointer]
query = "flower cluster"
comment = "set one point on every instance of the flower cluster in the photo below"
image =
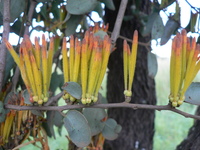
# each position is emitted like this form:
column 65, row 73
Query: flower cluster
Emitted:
column 35, row 64
column 129, row 59
column 184, row 65
column 87, row 62
column 17, row 126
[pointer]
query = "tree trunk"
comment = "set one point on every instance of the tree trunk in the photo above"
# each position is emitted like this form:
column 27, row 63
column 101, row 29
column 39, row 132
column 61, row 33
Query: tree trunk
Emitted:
column 138, row 125
column 192, row 142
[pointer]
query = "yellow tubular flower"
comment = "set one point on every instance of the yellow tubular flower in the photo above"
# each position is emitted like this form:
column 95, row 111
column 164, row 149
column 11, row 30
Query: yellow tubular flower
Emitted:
column 94, row 66
column 191, row 72
column 184, row 48
column 106, row 54
column 77, row 58
column 50, row 60
column 177, row 67
column 44, row 71
column 125, row 60
column 90, row 47
column 12, row 52
column 29, row 70
column 37, row 53
column 23, row 72
column 84, row 68
column 172, row 66
column 184, row 65
column 191, row 54
column 37, row 77
column 132, row 60
column 71, row 58
column 65, row 61
column 7, row 127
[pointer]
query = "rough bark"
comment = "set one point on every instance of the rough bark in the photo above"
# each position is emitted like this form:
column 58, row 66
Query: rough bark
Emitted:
column 192, row 142
column 138, row 125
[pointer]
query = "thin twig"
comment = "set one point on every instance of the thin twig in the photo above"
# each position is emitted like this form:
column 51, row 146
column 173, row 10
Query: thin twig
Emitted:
column 30, row 15
column 111, row 105
column 195, row 8
column 147, row 45
column 54, row 99
column 118, row 21
column 6, row 31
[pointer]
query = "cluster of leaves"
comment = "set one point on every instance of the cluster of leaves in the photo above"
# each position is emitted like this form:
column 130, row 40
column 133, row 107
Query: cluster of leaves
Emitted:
column 91, row 122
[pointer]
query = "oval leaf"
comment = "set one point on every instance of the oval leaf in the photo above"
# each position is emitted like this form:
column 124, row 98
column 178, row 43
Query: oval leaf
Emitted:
column 94, row 117
column 111, row 129
column 73, row 88
column 192, row 95
column 100, row 34
column 109, row 4
column 148, row 26
column 169, row 29
column 152, row 64
column 118, row 128
column 26, row 97
column 78, row 128
column 80, row 7
column 72, row 24
column 158, row 28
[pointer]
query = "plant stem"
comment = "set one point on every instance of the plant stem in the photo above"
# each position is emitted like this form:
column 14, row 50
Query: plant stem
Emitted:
column 6, row 31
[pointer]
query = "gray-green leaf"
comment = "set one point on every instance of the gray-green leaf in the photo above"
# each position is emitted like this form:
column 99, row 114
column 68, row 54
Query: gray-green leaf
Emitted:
column 192, row 94
column 94, row 117
column 152, row 64
column 158, row 28
column 111, row 129
column 73, row 88
column 80, row 7
column 169, row 29
column 78, row 128
column 26, row 97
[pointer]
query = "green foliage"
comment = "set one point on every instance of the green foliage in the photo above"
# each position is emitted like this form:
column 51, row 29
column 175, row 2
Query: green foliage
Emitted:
column 77, row 7
column 170, row 27
column 73, row 89
column 152, row 64
column 54, row 118
column 109, row 4
column 56, row 81
column 16, row 8
column 26, row 97
column 78, row 128
column 72, row 24
column 9, row 66
column 95, row 118
column 192, row 94
column 111, row 129
column 100, row 34
column 157, row 28
column 149, row 24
